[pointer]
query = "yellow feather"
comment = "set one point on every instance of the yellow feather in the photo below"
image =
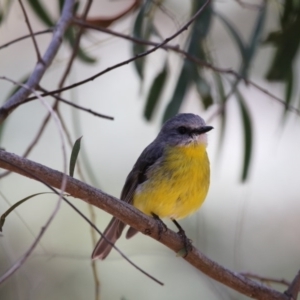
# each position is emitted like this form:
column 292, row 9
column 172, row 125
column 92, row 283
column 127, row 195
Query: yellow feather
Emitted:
column 178, row 185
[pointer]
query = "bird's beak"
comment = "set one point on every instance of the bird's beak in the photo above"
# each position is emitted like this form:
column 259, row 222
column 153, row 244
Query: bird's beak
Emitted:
column 205, row 129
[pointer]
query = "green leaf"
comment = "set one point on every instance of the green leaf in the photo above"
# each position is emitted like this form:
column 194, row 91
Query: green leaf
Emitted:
column 182, row 86
column 288, row 93
column 248, row 134
column 255, row 39
column 74, row 156
column 4, row 9
column 222, row 98
column 41, row 12
column 155, row 92
column 3, row 217
column 60, row 5
column 287, row 43
column 189, row 70
column 203, row 89
column 234, row 33
column 81, row 54
column 142, row 29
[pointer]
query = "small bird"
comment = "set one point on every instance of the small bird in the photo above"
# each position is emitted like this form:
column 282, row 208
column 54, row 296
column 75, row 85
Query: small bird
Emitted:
column 170, row 179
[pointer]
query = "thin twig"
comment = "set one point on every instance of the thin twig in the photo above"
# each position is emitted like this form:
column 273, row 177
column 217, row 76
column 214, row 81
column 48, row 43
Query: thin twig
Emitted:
column 54, row 117
column 76, row 46
column 22, row 220
column 158, row 46
column 78, row 106
column 195, row 59
column 63, row 184
column 31, row 174
column 25, row 256
column 26, row 37
column 41, row 65
column 38, row 54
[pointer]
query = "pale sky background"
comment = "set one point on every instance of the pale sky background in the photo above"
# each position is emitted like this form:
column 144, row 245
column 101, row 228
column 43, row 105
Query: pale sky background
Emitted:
column 251, row 227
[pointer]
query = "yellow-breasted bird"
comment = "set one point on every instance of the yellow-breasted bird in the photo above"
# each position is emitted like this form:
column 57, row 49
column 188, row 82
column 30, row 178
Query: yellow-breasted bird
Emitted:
column 170, row 179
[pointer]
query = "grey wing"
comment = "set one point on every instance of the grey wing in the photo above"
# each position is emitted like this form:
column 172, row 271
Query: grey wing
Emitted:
column 137, row 175
column 148, row 157
column 115, row 227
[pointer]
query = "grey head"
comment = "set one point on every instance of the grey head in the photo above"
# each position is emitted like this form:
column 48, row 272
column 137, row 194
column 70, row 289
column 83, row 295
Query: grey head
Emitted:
column 184, row 129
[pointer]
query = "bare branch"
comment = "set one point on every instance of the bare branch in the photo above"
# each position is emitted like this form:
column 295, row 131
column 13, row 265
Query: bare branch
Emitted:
column 33, row 176
column 25, row 256
column 31, row 32
column 76, row 45
column 26, row 37
column 78, row 106
column 195, row 59
column 41, row 66
column 62, row 187
column 157, row 46
column 133, row 217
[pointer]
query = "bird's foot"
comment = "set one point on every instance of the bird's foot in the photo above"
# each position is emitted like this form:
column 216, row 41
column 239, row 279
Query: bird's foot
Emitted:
column 161, row 226
column 187, row 243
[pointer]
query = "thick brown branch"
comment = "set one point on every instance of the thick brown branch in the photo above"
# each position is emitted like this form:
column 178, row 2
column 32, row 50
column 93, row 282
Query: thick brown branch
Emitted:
column 130, row 215
column 294, row 288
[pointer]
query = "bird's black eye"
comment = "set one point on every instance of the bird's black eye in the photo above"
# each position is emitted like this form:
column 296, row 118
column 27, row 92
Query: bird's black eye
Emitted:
column 182, row 130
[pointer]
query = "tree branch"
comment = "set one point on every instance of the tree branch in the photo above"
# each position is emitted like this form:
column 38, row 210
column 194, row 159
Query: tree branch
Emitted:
column 42, row 65
column 133, row 217
column 125, row 62
column 294, row 288
column 26, row 37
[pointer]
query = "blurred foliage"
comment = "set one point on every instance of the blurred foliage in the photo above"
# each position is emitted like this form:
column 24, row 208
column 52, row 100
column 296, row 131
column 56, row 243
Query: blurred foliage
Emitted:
column 192, row 74
column 210, row 85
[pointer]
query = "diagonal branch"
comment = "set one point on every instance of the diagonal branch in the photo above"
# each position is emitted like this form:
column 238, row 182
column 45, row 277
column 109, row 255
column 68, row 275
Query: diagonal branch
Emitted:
column 133, row 217
column 25, row 37
column 30, row 31
column 294, row 288
column 126, row 62
column 41, row 66
column 188, row 56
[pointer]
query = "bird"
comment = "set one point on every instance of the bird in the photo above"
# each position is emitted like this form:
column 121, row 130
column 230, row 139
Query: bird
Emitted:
column 170, row 179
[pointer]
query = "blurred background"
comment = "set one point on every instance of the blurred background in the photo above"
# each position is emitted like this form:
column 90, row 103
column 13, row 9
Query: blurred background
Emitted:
column 251, row 217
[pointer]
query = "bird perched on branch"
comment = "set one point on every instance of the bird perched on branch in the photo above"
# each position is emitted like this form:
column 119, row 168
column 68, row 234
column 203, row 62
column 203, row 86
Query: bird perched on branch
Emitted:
column 170, row 179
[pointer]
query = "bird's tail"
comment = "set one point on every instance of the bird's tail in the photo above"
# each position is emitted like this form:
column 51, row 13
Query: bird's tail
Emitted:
column 112, row 232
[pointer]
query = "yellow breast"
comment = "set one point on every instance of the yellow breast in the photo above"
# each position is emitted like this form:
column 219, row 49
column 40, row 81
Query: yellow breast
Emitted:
column 178, row 185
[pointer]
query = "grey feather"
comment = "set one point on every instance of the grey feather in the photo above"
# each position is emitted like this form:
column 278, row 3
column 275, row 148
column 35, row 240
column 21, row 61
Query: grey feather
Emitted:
column 137, row 176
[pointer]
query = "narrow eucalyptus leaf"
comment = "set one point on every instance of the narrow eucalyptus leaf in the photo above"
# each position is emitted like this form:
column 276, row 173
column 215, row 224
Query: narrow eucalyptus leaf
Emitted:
column 155, row 92
column 4, row 215
column 74, row 156
column 248, row 134
column 142, row 29
column 41, row 12
column 181, row 88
